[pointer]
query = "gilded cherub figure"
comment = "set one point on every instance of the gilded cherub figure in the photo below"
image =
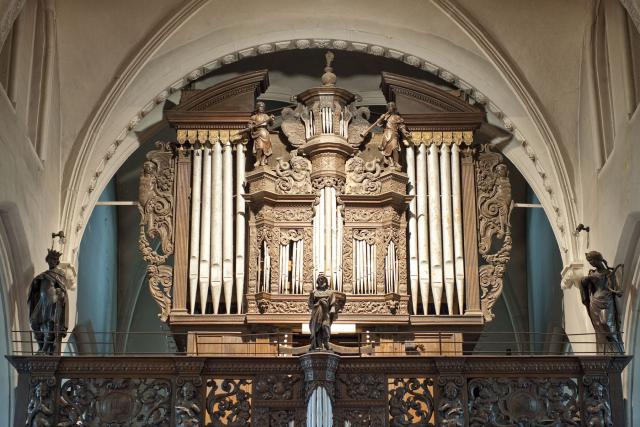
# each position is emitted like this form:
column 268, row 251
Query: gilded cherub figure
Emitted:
column 258, row 124
column 394, row 128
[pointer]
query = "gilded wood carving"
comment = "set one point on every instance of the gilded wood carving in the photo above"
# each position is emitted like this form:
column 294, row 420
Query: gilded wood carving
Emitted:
column 156, row 200
column 494, row 227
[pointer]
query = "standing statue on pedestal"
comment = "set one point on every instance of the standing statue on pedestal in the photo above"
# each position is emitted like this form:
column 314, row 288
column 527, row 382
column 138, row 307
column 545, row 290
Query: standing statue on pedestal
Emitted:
column 325, row 304
column 599, row 290
column 260, row 134
column 48, row 304
column 393, row 128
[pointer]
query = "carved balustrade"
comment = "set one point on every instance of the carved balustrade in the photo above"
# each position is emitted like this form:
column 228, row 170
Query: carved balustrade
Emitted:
column 267, row 391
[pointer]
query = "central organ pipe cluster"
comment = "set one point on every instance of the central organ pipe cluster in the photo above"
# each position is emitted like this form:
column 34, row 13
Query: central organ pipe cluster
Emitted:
column 328, row 229
column 212, row 250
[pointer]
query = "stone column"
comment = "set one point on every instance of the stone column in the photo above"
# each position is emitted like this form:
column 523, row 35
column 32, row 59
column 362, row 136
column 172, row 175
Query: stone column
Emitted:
column 319, row 378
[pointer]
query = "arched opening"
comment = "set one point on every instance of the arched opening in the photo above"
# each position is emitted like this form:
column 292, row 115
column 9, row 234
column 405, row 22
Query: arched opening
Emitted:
column 522, row 314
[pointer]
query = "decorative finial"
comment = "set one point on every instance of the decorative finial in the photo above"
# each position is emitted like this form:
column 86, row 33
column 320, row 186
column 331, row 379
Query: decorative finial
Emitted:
column 328, row 78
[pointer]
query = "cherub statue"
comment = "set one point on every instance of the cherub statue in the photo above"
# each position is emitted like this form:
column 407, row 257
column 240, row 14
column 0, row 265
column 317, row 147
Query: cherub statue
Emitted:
column 598, row 410
column 394, row 128
column 599, row 290
column 260, row 134
column 40, row 411
column 451, row 409
column 187, row 408
column 48, row 304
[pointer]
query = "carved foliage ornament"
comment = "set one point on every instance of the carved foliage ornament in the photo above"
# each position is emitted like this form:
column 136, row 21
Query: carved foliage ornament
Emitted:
column 229, row 402
column 410, row 402
column 294, row 176
column 494, row 227
column 155, row 196
column 505, row 402
column 101, row 401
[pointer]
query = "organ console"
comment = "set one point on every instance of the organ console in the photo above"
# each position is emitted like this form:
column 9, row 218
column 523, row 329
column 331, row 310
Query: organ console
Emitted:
column 239, row 243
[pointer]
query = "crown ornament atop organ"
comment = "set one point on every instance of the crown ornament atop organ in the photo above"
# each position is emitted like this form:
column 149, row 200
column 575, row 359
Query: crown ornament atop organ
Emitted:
column 385, row 209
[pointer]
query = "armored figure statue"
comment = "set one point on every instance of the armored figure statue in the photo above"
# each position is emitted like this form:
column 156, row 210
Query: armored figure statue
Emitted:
column 324, row 306
column 599, row 290
column 393, row 128
column 47, row 305
column 260, row 134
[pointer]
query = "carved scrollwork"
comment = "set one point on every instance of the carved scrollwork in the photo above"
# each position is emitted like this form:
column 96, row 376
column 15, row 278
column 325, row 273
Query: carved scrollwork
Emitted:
column 321, row 182
column 361, row 417
column 523, row 401
column 99, row 402
column 363, row 215
column 275, row 387
column 368, row 235
column 266, row 306
column 293, row 214
column 294, row 124
column 358, row 118
column 363, row 177
column 596, row 401
column 363, row 386
column 294, row 176
column 410, row 402
column 307, row 269
column 494, row 227
column 229, row 402
column 155, row 196
column 347, row 263
column 287, row 236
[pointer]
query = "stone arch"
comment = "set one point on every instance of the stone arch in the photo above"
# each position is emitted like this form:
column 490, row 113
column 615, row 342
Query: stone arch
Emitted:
column 110, row 141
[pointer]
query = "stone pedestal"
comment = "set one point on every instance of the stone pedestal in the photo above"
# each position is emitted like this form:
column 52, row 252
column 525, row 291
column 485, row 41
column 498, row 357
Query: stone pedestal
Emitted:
column 319, row 379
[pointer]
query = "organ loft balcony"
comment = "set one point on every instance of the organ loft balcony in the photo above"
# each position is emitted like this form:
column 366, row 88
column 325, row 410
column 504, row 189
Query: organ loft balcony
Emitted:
column 326, row 262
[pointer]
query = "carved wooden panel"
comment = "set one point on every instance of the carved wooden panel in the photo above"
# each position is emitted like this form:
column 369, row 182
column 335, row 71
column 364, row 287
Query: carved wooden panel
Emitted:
column 116, row 401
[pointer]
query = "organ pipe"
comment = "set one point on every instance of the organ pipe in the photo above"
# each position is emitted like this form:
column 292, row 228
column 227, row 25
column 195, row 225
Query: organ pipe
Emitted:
column 240, row 226
column 447, row 225
column 457, row 225
column 412, row 227
column 227, row 224
column 215, row 181
column 194, row 242
column 435, row 227
column 205, row 228
column 423, row 230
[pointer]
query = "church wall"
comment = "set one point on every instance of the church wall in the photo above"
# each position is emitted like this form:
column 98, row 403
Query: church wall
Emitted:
column 30, row 190
column 610, row 184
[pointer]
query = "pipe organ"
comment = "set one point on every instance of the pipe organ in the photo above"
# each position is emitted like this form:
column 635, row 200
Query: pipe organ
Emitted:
column 411, row 221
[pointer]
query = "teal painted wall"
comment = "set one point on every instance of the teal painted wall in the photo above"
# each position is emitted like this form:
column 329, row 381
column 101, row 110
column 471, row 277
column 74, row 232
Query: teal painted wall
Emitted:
column 97, row 277
column 544, row 265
